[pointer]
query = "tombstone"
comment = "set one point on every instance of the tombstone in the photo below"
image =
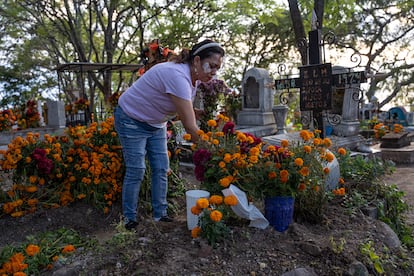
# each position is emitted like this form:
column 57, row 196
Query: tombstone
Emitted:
column 345, row 103
column 56, row 117
column 257, row 99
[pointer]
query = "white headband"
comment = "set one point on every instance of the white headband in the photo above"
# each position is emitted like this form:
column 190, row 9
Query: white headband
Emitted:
column 205, row 46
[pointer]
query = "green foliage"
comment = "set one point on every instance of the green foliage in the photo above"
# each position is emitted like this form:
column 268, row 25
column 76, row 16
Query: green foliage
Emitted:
column 310, row 206
column 213, row 231
column 337, row 247
column 365, row 187
column 368, row 251
column 353, row 202
column 394, row 211
column 51, row 245
column 364, row 170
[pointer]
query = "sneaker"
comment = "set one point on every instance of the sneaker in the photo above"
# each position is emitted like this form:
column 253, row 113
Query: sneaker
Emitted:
column 164, row 219
column 131, row 225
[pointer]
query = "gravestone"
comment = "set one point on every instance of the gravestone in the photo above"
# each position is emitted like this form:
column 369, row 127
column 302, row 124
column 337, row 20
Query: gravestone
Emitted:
column 56, row 117
column 257, row 99
column 345, row 101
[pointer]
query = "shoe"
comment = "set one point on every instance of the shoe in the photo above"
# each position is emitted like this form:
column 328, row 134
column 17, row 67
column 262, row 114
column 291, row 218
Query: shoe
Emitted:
column 131, row 225
column 164, row 219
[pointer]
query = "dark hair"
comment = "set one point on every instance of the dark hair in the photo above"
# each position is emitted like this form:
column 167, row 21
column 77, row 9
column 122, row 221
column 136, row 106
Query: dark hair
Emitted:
column 187, row 56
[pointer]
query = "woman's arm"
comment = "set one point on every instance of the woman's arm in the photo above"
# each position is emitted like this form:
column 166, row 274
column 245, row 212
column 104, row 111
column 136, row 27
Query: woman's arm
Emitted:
column 186, row 114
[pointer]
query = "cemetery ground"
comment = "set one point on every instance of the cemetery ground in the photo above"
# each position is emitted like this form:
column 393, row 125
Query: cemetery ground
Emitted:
column 328, row 248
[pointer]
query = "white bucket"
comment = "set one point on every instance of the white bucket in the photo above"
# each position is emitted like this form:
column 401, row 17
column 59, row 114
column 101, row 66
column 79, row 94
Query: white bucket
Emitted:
column 191, row 197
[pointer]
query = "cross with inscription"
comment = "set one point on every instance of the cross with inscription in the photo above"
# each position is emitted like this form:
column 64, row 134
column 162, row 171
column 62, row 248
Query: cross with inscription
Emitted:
column 316, row 81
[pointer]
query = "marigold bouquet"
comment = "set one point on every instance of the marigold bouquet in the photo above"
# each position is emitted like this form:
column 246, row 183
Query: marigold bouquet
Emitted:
column 222, row 153
column 290, row 168
column 7, row 120
column 225, row 156
column 212, row 213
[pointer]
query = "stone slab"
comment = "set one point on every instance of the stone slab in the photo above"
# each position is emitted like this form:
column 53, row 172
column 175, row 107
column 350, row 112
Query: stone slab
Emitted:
column 404, row 155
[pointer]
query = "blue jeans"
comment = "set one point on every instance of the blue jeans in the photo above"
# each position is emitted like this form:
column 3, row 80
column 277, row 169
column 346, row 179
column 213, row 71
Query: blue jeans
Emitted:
column 138, row 140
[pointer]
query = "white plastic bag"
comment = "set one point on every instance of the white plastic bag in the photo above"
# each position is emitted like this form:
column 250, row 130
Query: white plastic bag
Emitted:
column 245, row 210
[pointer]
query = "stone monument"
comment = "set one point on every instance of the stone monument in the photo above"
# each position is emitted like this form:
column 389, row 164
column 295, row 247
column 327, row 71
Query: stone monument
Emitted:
column 56, row 117
column 256, row 115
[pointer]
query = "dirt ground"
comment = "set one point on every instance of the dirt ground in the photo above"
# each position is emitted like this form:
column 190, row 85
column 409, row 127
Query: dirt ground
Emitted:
column 329, row 248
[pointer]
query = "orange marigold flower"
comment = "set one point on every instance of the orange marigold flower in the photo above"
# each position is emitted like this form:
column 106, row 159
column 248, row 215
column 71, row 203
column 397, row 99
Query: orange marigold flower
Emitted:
column 272, row 175
column 230, row 200
column 31, row 189
column 196, row 211
column 68, row 248
column 195, row 232
column 284, row 173
column 200, row 132
column 307, row 149
column 216, row 215
column 326, row 170
column 225, row 182
column 222, row 164
column 32, row 250
column 317, row 141
column 227, row 158
column 17, row 214
column 342, row 151
column 341, row 180
column 216, row 199
column 55, row 258
column 253, row 159
column 330, row 156
column 284, row 143
column 202, row 203
column 299, row 162
column 32, row 202
column 304, row 171
column 211, row 123
column 33, row 179
column 187, row 137
column 327, row 142
column 42, row 181
column 302, row 186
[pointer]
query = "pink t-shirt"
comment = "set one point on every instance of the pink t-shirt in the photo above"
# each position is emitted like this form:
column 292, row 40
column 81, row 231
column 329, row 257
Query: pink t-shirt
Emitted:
column 147, row 100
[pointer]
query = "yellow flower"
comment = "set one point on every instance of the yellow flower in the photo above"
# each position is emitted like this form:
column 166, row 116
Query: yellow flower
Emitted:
column 187, row 137
column 284, row 143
